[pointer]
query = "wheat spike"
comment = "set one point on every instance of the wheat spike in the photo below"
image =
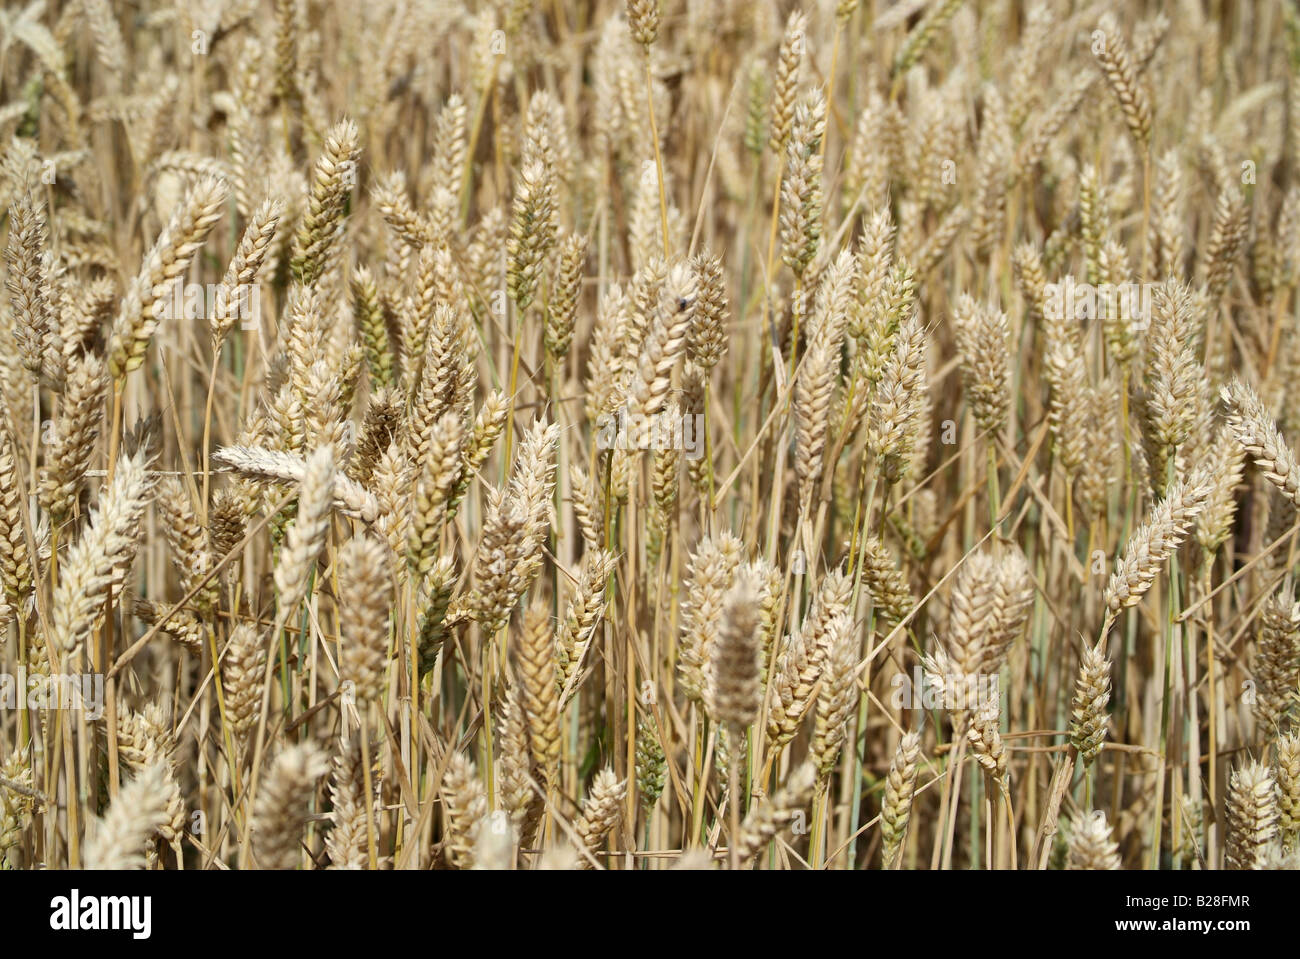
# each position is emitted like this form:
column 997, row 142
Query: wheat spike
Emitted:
column 785, row 83
column 896, row 807
column 306, row 537
column 27, row 283
column 465, row 806
column 532, row 231
column 242, row 667
column 100, row 560
column 709, row 572
column 1276, row 661
column 183, row 626
column 144, row 740
column 1154, row 542
column 982, row 336
column 838, row 695
column 15, row 559
column 1113, row 55
column 364, row 599
column 147, row 300
column 601, row 810
column 1091, row 696
column 119, row 840
column 733, row 695
column 1258, row 434
column 347, row 839
column 281, row 806
column 1090, row 845
column 332, row 182
column 540, row 684
column 74, row 434
column 1287, row 773
column 768, row 817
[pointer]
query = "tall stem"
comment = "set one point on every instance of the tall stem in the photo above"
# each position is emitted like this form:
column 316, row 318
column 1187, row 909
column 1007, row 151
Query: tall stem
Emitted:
column 659, row 163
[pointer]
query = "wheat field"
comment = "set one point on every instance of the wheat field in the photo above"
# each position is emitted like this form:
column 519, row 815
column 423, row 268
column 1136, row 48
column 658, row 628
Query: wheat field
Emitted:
column 672, row 434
